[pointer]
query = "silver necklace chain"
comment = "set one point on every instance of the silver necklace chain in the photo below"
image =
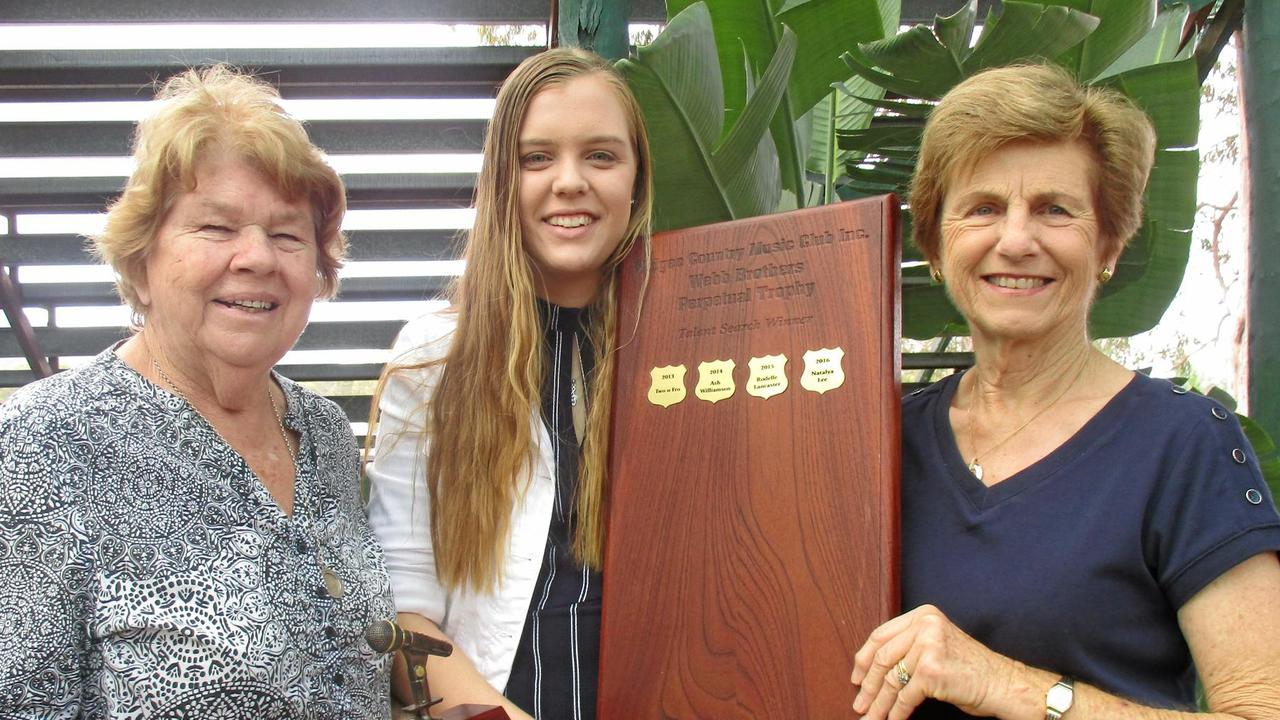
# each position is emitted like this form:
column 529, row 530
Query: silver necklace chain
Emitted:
column 333, row 583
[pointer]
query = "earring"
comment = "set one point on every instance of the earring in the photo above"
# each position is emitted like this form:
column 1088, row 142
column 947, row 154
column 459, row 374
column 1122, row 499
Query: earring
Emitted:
column 936, row 274
column 1104, row 275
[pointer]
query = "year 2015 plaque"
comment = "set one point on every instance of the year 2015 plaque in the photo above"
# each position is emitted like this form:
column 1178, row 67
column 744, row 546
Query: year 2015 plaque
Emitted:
column 753, row 520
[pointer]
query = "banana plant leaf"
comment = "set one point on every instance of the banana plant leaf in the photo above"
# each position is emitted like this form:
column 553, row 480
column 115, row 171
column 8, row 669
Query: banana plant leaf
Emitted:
column 1159, row 45
column 881, row 137
column 1121, row 24
column 899, row 108
column 848, row 105
column 823, row 29
column 1025, row 30
column 1170, row 94
column 923, row 63
column 955, row 31
column 754, row 29
column 706, row 170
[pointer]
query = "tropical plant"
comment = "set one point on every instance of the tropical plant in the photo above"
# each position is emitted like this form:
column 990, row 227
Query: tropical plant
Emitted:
column 1126, row 45
column 753, row 111
column 728, row 88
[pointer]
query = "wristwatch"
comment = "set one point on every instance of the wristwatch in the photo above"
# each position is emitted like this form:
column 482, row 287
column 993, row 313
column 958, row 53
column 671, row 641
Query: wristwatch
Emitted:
column 1058, row 700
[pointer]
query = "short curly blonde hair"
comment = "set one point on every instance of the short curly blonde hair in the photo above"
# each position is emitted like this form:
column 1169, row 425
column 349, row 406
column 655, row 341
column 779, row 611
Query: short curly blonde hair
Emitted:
column 1038, row 103
column 218, row 108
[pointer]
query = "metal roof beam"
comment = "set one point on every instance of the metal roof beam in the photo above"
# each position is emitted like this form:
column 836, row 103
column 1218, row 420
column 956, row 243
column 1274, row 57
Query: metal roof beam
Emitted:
column 62, row 139
column 364, row 245
column 93, row 193
column 441, row 11
column 302, row 72
column 362, row 335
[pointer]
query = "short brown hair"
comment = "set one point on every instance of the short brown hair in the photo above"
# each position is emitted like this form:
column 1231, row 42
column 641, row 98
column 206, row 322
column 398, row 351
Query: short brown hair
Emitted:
column 1038, row 103
column 200, row 110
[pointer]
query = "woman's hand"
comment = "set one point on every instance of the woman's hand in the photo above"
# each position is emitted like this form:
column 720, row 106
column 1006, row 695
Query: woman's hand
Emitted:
column 942, row 662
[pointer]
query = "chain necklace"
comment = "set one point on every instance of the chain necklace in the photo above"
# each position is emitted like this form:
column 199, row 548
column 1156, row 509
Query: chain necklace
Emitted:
column 284, row 434
column 975, row 467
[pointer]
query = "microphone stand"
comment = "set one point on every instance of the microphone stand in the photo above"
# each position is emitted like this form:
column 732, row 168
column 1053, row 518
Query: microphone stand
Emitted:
column 386, row 636
column 415, row 665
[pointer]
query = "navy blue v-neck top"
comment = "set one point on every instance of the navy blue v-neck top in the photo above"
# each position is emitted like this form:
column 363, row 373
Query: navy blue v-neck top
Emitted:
column 554, row 674
column 1078, row 564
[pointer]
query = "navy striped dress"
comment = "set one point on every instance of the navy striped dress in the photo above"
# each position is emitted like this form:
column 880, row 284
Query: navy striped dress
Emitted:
column 557, row 662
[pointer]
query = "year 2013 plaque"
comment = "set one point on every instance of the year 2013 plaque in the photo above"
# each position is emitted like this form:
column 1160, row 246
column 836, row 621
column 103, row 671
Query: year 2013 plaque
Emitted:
column 753, row 519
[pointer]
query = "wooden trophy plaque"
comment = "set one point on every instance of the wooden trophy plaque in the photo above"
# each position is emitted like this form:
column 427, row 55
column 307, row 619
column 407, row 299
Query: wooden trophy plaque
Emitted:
column 753, row 525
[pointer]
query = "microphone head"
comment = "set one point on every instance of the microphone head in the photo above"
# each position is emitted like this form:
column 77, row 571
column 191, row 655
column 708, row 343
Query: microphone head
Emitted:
column 380, row 635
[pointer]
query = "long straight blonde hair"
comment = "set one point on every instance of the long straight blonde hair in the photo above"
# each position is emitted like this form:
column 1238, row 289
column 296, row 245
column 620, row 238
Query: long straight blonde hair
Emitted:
column 482, row 448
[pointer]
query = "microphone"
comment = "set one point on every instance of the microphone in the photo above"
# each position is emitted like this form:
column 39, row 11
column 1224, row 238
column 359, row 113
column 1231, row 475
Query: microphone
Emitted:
column 386, row 636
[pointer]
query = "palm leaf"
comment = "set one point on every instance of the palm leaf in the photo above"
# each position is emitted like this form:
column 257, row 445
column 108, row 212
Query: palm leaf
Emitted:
column 1025, row 31
column 1121, row 24
column 754, row 28
column 1159, row 45
column 697, row 178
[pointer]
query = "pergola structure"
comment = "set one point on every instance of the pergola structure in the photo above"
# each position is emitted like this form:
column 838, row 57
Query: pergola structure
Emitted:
column 76, row 75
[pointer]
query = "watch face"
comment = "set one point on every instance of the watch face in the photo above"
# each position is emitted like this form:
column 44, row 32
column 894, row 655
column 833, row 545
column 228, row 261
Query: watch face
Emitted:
column 1059, row 698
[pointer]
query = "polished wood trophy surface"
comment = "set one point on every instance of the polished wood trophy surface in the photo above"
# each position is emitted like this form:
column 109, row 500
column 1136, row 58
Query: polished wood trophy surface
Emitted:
column 753, row 524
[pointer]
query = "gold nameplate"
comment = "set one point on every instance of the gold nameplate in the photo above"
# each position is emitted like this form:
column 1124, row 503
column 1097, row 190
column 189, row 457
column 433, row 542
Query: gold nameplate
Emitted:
column 715, row 380
column 822, row 370
column 666, row 385
column 768, row 376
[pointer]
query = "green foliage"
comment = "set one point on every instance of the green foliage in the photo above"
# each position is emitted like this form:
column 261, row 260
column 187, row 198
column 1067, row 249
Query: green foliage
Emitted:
column 1265, row 448
column 763, row 105
column 1114, row 42
column 721, row 53
column 706, row 169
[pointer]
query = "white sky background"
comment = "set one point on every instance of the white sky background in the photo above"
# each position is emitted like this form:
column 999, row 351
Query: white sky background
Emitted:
column 1202, row 319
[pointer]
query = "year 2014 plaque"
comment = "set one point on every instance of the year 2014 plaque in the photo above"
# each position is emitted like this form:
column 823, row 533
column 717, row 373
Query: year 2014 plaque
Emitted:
column 753, row 517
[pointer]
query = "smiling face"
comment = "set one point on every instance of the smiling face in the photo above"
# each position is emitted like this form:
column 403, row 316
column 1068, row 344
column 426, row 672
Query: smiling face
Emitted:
column 232, row 273
column 1020, row 244
column 577, row 174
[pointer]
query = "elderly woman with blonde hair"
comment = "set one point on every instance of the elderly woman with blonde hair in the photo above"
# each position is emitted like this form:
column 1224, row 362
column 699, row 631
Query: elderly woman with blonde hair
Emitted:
column 182, row 534
column 1079, row 541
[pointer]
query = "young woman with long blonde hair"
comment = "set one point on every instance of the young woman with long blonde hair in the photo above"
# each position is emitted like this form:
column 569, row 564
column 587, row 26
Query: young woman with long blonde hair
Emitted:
column 488, row 480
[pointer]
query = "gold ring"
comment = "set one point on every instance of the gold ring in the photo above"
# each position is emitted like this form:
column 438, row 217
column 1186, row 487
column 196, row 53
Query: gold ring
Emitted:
column 901, row 673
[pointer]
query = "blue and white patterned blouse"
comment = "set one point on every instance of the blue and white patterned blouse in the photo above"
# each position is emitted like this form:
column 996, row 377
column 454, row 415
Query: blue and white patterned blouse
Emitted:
column 145, row 571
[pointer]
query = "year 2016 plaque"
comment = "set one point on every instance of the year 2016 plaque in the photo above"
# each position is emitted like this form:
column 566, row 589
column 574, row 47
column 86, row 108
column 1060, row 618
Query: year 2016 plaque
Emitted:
column 753, row 519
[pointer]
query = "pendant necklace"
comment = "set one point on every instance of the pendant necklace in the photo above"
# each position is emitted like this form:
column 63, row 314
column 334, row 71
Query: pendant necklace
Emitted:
column 332, row 582
column 975, row 467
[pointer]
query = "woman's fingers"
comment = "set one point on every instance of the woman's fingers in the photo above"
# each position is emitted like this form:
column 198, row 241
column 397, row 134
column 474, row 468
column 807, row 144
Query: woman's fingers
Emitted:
column 937, row 659
column 863, row 658
column 876, row 660
column 901, row 644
